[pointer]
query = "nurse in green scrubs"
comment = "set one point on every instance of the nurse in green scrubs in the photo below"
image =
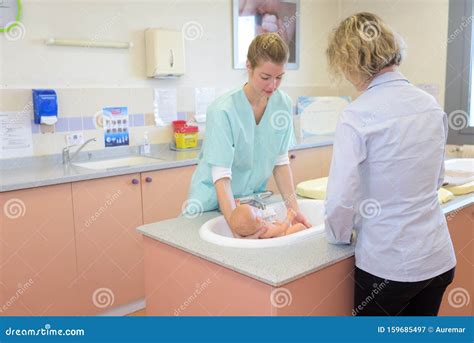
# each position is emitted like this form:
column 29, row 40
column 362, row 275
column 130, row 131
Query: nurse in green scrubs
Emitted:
column 248, row 133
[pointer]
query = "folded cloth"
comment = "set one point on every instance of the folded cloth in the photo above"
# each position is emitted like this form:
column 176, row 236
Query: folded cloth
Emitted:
column 314, row 189
column 462, row 189
column 444, row 195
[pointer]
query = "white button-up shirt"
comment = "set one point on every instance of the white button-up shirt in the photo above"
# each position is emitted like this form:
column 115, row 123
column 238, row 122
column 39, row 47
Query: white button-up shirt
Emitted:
column 388, row 163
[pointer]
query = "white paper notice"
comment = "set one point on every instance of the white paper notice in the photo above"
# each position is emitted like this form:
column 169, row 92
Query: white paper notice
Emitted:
column 165, row 106
column 319, row 115
column 203, row 97
column 16, row 139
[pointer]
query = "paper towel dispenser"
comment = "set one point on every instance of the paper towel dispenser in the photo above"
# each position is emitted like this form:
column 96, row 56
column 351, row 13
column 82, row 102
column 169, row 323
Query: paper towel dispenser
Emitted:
column 164, row 53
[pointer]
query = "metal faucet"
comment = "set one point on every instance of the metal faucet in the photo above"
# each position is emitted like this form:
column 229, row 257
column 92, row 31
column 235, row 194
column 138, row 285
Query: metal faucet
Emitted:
column 255, row 200
column 67, row 158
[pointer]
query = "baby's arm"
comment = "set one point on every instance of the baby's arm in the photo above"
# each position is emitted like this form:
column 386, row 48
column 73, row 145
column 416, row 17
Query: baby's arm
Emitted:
column 275, row 229
column 295, row 228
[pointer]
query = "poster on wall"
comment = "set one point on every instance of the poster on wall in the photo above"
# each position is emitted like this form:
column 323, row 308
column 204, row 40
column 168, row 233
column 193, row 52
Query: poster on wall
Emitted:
column 253, row 17
column 15, row 135
column 116, row 126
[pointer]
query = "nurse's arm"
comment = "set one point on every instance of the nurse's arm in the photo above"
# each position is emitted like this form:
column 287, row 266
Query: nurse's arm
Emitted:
column 284, row 181
column 349, row 152
column 225, row 197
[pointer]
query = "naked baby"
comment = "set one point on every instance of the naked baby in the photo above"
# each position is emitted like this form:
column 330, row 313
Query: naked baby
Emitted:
column 247, row 220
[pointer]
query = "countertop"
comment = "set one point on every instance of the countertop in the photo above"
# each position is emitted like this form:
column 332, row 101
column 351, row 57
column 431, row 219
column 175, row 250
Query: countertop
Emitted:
column 273, row 266
column 32, row 172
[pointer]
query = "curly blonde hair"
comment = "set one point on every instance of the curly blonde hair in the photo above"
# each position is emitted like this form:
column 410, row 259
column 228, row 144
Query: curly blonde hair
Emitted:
column 267, row 47
column 361, row 46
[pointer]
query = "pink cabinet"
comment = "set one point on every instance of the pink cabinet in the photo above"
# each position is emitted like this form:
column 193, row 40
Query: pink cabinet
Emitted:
column 37, row 252
column 109, row 250
column 457, row 300
column 307, row 164
column 164, row 193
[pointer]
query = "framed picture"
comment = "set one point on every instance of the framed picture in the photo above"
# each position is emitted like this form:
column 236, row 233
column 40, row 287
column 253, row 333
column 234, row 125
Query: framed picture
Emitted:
column 252, row 17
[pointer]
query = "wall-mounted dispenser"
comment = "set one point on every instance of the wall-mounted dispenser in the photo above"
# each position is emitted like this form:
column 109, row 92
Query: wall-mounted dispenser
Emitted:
column 45, row 104
column 164, row 53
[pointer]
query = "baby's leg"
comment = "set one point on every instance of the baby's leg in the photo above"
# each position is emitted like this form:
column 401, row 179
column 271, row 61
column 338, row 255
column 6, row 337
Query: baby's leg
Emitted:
column 295, row 228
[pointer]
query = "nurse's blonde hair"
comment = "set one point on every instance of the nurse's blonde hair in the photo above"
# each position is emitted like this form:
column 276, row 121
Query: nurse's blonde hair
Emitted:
column 361, row 46
column 267, row 47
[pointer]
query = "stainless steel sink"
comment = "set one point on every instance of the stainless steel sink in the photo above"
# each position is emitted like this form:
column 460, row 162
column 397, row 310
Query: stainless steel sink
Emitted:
column 120, row 162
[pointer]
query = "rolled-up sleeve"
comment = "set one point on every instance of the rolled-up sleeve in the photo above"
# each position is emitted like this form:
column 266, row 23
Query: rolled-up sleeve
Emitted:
column 348, row 153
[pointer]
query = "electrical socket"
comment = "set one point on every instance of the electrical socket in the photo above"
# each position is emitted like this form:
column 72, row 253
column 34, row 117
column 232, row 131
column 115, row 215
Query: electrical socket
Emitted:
column 75, row 138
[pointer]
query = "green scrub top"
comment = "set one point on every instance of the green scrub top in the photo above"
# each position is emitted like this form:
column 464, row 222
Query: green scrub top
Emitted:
column 234, row 140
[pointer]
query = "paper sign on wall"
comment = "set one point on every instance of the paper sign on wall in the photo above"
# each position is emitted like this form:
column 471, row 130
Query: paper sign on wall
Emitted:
column 16, row 139
column 203, row 97
column 319, row 115
column 165, row 106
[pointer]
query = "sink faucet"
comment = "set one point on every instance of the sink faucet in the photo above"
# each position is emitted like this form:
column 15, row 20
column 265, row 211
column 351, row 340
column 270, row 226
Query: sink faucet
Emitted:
column 67, row 158
column 255, row 200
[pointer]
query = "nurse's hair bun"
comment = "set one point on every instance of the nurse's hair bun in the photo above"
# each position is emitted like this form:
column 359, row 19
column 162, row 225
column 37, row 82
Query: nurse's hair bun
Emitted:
column 267, row 47
column 362, row 45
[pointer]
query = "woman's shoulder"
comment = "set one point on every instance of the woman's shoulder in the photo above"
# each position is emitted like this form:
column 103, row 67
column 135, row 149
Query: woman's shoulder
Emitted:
column 283, row 97
column 226, row 101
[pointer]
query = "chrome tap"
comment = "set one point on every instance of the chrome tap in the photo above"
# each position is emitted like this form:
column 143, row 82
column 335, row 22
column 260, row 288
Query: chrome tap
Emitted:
column 255, row 200
column 67, row 158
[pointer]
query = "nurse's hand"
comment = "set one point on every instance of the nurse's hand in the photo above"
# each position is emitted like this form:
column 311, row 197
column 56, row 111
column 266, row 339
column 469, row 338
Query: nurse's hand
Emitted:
column 300, row 218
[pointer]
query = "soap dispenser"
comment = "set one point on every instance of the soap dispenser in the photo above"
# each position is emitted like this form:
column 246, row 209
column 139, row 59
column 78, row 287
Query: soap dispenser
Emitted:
column 146, row 144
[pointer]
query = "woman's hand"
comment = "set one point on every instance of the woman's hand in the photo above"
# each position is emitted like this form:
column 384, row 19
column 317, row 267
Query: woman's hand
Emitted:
column 300, row 218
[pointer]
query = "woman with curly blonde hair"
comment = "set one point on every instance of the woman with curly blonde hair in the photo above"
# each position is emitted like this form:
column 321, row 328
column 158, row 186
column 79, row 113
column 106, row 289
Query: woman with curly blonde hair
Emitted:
column 388, row 163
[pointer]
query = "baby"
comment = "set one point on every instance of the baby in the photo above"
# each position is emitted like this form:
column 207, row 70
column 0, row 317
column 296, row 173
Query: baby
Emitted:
column 247, row 220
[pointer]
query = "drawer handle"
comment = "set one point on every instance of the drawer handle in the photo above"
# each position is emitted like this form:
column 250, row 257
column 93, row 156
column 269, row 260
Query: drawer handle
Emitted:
column 135, row 181
column 148, row 179
column 292, row 157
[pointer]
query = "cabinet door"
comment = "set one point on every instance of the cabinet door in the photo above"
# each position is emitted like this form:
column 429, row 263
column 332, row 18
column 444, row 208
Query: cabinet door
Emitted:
column 37, row 252
column 307, row 164
column 164, row 193
column 109, row 249
column 458, row 298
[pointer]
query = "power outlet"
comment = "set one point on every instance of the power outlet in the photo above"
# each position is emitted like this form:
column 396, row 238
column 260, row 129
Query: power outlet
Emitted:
column 75, row 138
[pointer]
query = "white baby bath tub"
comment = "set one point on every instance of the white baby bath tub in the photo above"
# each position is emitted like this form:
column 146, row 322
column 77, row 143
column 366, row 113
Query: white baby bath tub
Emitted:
column 217, row 231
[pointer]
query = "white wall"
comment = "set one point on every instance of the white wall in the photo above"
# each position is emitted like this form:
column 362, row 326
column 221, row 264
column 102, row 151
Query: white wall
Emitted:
column 88, row 79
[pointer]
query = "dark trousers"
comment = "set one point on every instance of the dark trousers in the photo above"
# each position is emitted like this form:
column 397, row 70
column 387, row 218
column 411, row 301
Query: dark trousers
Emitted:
column 374, row 296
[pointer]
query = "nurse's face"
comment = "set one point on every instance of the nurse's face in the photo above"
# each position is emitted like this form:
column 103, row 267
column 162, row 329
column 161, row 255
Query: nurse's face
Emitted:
column 265, row 78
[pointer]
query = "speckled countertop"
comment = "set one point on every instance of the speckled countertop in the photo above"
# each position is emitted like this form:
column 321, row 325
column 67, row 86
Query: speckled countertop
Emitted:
column 274, row 266
column 48, row 170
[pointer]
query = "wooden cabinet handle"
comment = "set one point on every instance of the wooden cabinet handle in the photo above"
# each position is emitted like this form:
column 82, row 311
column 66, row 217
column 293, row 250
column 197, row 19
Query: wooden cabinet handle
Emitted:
column 292, row 156
column 148, row 179
column 135, row 181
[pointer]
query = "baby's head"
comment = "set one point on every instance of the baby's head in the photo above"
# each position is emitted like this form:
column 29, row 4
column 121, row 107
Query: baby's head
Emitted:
column 246, row 220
